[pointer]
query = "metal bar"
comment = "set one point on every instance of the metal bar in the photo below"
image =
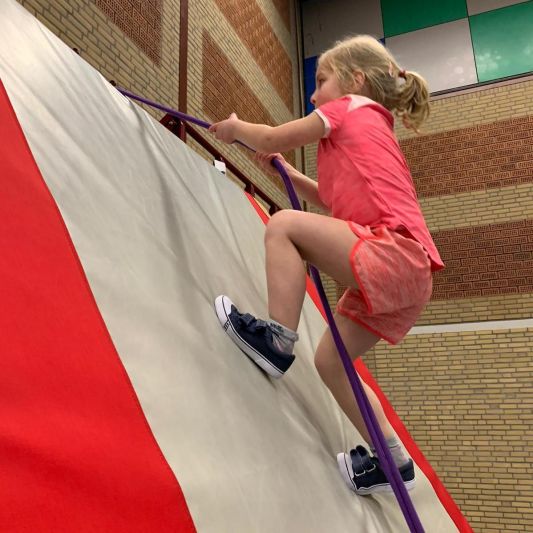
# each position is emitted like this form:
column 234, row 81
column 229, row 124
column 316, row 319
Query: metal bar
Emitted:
column 183, row 61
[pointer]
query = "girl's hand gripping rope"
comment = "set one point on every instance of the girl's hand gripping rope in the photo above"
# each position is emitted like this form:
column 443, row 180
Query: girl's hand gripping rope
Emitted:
column 225, row 130
column 265, row 162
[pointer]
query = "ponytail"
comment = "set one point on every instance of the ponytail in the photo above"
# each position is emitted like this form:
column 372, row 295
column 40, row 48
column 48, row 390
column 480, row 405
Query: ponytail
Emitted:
column 412, row 104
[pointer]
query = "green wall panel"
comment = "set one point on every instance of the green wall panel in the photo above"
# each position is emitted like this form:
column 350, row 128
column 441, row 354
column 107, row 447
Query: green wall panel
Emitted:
column 503, row 41
column 402, row 17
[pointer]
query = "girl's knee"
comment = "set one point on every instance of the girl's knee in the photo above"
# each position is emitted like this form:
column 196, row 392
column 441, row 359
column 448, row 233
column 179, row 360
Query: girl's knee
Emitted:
column 279, row 224
column 326, row 363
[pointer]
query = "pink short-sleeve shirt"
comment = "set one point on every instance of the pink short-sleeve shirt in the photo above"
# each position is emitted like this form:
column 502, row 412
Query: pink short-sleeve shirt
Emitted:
column 362, row 173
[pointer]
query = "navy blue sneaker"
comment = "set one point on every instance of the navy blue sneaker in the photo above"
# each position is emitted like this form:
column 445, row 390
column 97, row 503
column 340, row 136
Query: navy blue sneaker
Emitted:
column 363, row 474
column 253, row 337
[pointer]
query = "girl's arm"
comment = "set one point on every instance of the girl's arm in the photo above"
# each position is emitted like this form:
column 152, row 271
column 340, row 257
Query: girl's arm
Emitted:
column 306, row 188
column 270, row 139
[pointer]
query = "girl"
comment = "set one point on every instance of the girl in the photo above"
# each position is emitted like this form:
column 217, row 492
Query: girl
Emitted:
column 375, row 242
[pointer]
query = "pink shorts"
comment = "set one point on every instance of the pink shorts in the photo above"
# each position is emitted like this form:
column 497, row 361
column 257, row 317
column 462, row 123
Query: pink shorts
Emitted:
column 393, row 274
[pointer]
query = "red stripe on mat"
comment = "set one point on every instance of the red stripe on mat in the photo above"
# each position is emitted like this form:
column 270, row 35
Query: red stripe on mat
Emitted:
column 418, row 457
column 76, row 450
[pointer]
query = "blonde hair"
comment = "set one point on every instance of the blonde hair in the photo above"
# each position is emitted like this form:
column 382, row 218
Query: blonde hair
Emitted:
column 409, row 100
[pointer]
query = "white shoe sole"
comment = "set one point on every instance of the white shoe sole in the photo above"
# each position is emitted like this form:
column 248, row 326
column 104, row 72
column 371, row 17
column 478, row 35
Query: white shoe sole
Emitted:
column 223, row 309
column 345, row 468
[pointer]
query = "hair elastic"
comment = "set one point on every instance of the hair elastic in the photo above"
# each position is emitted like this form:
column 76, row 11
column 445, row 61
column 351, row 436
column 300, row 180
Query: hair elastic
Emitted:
column 401, row 74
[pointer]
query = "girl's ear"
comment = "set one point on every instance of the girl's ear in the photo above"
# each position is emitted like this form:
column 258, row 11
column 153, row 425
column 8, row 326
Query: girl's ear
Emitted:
column 359, row 79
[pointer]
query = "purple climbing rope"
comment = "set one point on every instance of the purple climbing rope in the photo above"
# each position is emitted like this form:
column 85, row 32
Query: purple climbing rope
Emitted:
column 378, row 440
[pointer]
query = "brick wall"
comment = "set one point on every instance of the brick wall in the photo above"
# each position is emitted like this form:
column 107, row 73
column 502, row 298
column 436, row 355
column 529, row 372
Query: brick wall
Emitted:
column 255, row 31
column 485, row 261
column 140, row 21
column 481, row 157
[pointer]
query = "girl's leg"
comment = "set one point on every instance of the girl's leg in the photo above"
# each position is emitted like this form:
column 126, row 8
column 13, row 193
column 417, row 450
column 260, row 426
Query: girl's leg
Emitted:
column 357, row 341
column 292, row 237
